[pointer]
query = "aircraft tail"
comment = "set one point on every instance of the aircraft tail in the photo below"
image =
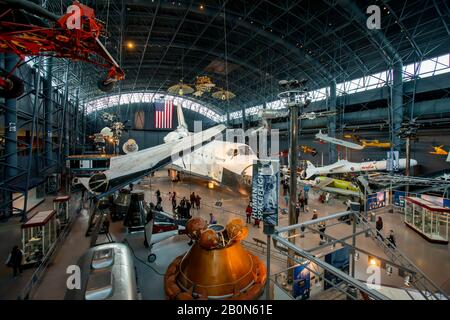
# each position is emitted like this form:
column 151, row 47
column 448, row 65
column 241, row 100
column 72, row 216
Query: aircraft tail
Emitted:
column 181, row 121
column 310, row 170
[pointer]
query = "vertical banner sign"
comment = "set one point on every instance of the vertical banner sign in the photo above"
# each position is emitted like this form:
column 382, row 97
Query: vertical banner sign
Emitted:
column 393, row 159
column 265, row 184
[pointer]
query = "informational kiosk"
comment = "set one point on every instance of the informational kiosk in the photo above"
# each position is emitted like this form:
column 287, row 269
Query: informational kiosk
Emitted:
column 430, row 220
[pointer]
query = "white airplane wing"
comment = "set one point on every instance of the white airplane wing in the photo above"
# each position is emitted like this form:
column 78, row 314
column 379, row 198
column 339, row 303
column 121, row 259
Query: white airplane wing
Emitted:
column 340, row 142
column 323, row 183
column 151, row 157
column 144, row 161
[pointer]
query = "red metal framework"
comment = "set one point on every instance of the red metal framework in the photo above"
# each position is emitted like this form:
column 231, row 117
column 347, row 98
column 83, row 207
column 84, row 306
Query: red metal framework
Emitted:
column 74, row 36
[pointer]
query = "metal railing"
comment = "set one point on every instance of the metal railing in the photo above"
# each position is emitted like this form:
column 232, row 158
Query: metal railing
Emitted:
column 424, row 285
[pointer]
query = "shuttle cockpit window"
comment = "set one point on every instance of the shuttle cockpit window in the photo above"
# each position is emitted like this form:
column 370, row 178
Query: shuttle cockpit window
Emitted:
column 232, row 152
column 245, row 151
column 240, row 151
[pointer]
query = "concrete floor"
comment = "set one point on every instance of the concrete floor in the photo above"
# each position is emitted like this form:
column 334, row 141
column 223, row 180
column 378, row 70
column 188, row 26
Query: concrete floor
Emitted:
column 433, row 259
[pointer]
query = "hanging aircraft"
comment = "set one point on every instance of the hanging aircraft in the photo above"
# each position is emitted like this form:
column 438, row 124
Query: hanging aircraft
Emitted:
column 324, row 137
column 326, row 184
column 344, row 166
column 439, row 151
column 313, row 115
column 335, row 186
column 309, row 150
column 374, row 144
column 303, row 148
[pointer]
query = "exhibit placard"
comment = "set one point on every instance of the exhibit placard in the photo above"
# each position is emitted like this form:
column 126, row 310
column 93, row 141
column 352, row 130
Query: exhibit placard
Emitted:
column 265, row 184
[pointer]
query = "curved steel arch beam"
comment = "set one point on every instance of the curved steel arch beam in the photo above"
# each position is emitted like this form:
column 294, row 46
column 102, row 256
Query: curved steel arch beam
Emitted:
column 234, row 18
column 209, row 105
column 376, row 36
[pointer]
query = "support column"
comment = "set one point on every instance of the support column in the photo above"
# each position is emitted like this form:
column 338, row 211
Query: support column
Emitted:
column 228, row 117
column 76, row 120
column 243, row 118
column 48, row 113
column 65, row 132
column 397, row 104
column 10, row 124
column 332, row 151
column 37, row 84
column 10, row 136
column 293, row 157
column 83, row 133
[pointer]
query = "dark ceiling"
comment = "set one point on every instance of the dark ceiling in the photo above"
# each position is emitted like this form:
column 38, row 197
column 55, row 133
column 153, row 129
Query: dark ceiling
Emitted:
column 264, row 42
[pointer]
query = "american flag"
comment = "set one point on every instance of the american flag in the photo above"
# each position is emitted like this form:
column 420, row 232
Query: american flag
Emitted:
column 163, row 114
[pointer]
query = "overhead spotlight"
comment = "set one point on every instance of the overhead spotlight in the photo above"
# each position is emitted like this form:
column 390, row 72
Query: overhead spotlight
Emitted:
column 130, row 45
column 356, row 256
column 388, row 270
column 407, row 280
column 373, row 262
column 202, row 7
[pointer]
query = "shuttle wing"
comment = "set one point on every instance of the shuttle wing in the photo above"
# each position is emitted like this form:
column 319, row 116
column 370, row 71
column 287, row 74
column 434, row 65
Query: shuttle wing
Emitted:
column 130, row 167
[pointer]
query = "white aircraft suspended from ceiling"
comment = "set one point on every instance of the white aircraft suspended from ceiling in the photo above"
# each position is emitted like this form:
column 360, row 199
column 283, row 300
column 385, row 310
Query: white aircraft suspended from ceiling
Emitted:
column 325, row 137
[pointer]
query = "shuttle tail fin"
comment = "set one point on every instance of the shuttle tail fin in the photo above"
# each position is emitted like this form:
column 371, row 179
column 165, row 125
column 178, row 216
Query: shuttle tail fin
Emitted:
column 310, row 170
column 181, row 121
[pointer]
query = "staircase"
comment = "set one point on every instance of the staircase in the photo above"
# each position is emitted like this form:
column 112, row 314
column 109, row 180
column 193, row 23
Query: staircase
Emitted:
column 425, row 286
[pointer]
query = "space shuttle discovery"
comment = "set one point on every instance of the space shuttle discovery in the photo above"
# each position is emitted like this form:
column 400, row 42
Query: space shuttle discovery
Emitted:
column 344, row 166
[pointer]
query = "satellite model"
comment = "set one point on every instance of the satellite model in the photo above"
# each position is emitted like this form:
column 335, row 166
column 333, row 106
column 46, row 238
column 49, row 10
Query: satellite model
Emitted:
column 130, row 146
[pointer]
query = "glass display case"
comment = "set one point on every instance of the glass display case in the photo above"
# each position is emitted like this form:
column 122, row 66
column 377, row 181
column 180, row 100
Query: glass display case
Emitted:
column 61, row 206
column 430, row 220
column 38, row 236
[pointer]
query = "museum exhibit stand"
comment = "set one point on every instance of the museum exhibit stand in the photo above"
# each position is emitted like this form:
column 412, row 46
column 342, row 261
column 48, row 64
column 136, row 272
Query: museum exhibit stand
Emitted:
column 61, row 206
column 38, row 236
column 430, row 220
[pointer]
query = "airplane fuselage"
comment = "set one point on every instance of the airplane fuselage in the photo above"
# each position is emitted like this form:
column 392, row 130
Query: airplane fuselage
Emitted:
column 225, row 162
column 344, row 166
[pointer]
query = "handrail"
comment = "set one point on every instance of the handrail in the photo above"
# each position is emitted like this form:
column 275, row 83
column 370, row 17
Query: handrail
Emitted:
column 342, row 275
column 399, row 253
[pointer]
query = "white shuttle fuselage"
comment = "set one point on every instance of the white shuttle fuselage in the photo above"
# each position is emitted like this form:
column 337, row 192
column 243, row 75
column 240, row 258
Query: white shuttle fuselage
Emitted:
column 221, row 161
column 344, row 166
